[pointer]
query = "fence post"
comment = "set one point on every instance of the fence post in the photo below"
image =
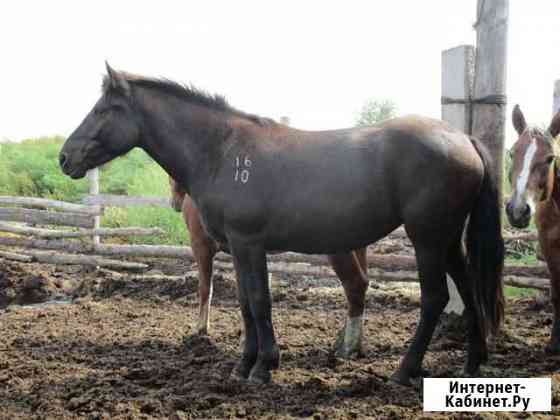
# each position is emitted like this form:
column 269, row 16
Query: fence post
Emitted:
column 556, row 98
column 93, row 176
column 489, row 108
column 457, row 78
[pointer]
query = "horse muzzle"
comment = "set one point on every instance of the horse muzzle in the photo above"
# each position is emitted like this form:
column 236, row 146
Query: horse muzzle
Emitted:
column 518, row 216
column 68, row 169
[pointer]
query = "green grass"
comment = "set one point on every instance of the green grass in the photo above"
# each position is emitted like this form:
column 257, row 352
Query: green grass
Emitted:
column 30, row 168
column 516, row 292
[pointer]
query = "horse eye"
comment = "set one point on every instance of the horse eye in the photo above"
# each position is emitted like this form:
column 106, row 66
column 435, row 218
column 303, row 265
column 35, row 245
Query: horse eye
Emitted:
column 102, row 111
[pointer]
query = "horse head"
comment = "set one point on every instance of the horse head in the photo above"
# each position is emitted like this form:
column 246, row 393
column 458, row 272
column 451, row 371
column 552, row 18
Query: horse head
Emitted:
column 109, row 130
column 533, row 169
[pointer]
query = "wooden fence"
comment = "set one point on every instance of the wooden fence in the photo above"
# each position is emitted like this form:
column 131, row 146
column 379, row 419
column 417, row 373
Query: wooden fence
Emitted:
column 61, row 241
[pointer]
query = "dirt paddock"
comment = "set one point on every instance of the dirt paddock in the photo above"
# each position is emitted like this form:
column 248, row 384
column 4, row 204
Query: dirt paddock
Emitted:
column 123, row 350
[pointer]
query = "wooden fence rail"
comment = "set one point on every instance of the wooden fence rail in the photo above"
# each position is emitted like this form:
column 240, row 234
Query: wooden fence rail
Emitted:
column 44, row 203
column 110, row 200
column 45, row 217
column 52, row 234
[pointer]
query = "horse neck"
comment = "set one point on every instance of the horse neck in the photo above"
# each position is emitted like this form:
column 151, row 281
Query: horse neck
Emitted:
column 184, row 139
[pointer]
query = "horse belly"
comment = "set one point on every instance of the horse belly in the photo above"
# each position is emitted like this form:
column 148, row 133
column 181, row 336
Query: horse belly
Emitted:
column 327, row 229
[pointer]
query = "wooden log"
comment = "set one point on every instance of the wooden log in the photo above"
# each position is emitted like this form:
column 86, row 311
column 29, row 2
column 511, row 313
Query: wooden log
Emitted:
column 523, row 236
column 55, row 244
column 111, row 200
column 385, row 263
column 527, row 282
column 45, row 217
column 147, row 251
column 153, row 251
column 400, row 233
column 146, row 277
column 44, row 203
column 52, row 257
column 384, row 276
column 49, row 234
column 15, row 257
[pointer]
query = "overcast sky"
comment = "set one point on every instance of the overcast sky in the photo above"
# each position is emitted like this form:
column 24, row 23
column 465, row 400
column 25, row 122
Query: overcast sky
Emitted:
column 314, row 61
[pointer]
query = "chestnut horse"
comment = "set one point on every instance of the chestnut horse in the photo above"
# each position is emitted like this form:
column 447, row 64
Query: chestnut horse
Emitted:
column 205, row 248
column 535, row 183
column 260, row 186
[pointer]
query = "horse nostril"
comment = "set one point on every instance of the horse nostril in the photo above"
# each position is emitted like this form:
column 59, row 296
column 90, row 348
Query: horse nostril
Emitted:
column 527, row 211
column 508, row 208
column 62, row 159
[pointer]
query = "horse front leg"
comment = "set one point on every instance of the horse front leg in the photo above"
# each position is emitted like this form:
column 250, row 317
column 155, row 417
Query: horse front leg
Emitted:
column 548, row 240
column 553, row 347
column 349, row 269
column 260, row 351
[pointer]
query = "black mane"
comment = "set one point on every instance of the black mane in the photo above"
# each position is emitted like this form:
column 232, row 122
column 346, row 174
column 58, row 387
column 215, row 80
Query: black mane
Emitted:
column 190, row 94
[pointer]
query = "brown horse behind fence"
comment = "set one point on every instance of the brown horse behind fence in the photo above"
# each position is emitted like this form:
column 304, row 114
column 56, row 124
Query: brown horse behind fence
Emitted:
column 351, row 269
column 534, row 177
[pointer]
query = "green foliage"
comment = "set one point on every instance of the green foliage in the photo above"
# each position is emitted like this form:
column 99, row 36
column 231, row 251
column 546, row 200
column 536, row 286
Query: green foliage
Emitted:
column 374, row 111
column 30, row 168
column 517, row 292
column 117, row 176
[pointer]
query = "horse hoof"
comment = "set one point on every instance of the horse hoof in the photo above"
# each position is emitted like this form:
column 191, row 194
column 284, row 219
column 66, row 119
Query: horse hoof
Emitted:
column 405, row 377
column 421, row 373
column 260, row 376
column 241, row 371
column 471, row 371
column 472, row 364
column 401, row 378
column 552, row 348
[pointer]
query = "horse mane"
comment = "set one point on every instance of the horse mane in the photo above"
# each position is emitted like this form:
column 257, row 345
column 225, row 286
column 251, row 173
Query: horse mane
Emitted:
column 190, row 94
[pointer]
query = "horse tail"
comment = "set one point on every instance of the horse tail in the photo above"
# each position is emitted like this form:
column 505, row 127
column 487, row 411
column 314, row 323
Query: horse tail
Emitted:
column 485, row 248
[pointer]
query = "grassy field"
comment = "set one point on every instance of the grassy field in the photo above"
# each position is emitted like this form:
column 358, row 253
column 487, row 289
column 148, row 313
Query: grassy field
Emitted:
column 30, row 168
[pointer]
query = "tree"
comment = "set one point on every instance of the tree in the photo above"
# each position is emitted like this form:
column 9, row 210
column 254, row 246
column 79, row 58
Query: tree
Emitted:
column 374, row 111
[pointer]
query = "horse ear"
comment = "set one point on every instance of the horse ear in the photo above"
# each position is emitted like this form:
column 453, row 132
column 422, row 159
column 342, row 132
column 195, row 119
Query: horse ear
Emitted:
column 554, row 127
column 116, row 80
column 518, row 120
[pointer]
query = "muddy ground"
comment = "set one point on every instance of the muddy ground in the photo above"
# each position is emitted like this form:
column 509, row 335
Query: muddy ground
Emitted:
column 123, row 349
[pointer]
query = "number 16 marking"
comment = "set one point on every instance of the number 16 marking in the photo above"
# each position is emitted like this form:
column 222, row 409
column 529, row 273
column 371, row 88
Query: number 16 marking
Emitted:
column 242, row 174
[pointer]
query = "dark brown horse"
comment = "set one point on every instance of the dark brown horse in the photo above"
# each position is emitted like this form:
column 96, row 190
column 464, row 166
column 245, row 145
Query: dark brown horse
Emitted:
column 534, row 177
column 261, row 186
column 205, row 248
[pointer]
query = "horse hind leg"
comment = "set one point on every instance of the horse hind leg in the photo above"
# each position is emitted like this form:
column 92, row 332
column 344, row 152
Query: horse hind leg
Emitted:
column 204, row 253
column 477, row 350
column 355, row 283
column 434, row 296
column 361, row 256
